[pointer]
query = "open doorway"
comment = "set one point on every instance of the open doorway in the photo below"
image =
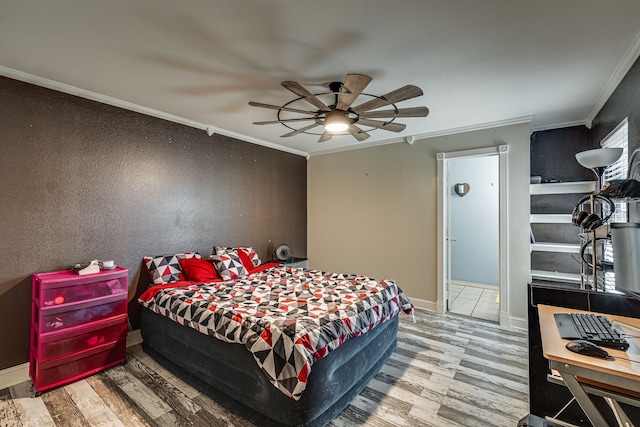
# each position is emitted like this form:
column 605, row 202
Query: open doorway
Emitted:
column 472, row 223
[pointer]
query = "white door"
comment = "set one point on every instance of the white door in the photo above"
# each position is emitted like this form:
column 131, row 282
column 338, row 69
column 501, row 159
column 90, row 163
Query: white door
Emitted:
column 474, row 220
column 472, row 212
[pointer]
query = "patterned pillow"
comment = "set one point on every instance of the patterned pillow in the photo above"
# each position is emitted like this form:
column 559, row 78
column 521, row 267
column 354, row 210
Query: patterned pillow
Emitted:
column 229, row 265
column 166, row 268
column 253, row 255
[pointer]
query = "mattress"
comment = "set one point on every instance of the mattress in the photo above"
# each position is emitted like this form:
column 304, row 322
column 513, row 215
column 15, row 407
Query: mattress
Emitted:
column 227, row 372
column 287, row 318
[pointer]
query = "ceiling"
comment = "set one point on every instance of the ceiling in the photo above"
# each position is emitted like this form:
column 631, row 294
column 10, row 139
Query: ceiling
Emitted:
column 199, row 62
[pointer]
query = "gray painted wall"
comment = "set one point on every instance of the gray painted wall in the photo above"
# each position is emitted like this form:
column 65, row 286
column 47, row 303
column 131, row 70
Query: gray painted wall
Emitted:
column 373, row 211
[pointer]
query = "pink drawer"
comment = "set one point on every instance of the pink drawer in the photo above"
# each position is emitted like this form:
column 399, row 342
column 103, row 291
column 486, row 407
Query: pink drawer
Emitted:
column 61, row 371
column 68, row 342
column 64, row 286
column 65, row 293
column 57, row 318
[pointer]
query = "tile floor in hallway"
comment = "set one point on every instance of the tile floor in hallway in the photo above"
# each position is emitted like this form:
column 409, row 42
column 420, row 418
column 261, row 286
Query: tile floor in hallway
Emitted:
column 475, row 301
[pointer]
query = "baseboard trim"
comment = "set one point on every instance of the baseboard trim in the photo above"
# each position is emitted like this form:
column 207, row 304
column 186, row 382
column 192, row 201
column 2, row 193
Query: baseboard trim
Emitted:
column 20, row 373
column 513, row 322
column 506, row 321
column 424, row 304
column 134, row 338
column 14, row 375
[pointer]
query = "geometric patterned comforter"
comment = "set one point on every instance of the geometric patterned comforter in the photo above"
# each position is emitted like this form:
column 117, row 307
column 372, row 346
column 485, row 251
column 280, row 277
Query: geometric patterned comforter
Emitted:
column 288, row 318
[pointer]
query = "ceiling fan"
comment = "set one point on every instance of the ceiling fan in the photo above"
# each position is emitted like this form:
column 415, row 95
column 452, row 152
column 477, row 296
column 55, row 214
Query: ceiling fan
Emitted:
column 340, row 116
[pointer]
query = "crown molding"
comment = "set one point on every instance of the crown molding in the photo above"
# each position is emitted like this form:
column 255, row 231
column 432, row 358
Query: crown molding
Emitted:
column 104, row 99
column 561, row 125
column 630, row 57
column 444, row 132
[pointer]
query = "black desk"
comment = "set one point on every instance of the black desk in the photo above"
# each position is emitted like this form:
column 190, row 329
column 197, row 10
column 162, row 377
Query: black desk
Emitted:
column 546, row 398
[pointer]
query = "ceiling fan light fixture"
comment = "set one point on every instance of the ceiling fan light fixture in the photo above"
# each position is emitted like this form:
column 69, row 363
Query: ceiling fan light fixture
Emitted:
column 335, row 121
column 342, row 117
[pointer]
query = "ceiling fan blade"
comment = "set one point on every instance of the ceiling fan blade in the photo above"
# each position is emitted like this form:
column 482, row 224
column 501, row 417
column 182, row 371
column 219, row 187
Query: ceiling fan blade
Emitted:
column 393, row 127
column 325, row 136
column 402, row 94
column 358, row 133
column 299, row 131
column 297, row 88
column 273, row 122
column 401, row 112
column 276, row 107
column 353, row 86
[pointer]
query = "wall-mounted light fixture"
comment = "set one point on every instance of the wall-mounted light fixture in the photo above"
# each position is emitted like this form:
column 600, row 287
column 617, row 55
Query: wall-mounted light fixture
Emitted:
column 461, row 189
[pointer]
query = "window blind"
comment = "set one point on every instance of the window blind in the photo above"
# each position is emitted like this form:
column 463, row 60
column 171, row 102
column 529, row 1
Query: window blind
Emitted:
column 618, row 138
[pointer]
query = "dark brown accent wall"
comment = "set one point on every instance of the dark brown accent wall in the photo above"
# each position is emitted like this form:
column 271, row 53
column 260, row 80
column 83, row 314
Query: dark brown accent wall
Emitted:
column 553, row 154
column 624, row 102
column 553, row 158
column 83, row 180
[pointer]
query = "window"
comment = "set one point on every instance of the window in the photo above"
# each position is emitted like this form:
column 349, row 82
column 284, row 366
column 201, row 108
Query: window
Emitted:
column 619, row 170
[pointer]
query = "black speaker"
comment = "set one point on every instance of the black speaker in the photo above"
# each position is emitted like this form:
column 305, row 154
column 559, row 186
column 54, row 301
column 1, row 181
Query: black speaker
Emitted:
column 591, row 221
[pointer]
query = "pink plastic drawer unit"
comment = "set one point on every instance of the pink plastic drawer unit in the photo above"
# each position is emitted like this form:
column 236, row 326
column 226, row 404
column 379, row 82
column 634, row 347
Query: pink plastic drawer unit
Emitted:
column 65, row 316
column 64, row 287
column 78, row 325
column 68, row 292
column 70, row 341
column 62, row 371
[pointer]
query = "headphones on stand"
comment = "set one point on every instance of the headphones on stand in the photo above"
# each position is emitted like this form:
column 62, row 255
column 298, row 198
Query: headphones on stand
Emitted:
column 606, row 266
column 591, row 221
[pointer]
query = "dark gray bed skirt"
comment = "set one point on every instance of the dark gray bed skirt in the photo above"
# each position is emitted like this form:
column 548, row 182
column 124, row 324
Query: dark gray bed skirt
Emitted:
column 229, row 374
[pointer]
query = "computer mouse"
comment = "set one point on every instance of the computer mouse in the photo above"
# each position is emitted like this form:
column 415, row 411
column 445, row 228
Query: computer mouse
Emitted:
column 587, row 348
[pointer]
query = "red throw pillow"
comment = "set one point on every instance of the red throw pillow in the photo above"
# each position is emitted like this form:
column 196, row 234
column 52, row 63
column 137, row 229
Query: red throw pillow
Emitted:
column 246, row 261
column 198, row 270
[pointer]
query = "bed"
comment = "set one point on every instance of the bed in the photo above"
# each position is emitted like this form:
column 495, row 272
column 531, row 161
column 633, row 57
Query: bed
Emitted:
column 280, row 346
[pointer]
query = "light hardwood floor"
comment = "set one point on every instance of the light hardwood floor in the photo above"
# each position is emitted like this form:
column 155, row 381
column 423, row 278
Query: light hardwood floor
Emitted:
column 447, row 371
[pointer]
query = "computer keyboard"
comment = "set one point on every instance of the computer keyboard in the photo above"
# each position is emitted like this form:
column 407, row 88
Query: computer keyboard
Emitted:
column 590, row 327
